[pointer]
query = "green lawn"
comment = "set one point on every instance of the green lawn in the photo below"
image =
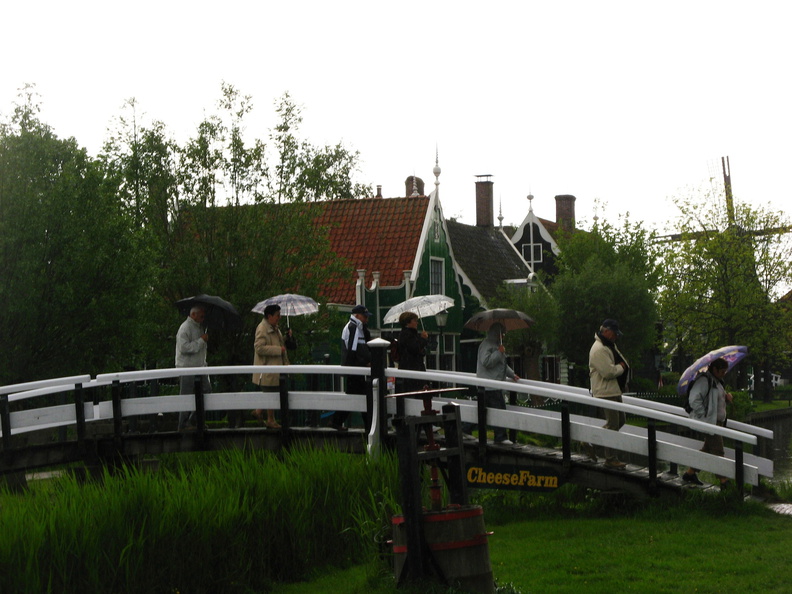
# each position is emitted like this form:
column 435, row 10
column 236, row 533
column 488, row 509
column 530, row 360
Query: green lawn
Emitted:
column 735, row 549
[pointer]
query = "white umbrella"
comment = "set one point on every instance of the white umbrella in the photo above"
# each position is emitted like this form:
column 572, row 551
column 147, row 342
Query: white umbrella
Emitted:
column 290, row 304
column 423, row 306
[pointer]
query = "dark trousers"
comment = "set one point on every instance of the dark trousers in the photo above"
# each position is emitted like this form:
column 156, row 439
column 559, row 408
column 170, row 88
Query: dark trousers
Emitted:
column 494, row 399
column 356, row 384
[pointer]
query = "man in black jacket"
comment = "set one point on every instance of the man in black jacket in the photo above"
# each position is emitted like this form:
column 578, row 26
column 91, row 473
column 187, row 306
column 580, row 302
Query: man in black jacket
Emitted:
column 355, row 353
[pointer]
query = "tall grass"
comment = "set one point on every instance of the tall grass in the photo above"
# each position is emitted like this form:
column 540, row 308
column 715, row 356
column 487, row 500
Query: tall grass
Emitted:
column 227, row 522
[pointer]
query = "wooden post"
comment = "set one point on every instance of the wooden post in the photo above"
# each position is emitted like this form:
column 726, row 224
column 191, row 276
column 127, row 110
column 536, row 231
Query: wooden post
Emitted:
column 79, row 411
column 739, row 471
column 651, row 433
column 566, row 435
column 457, row 485
column 513, row 402
column 117, row 418
column 200, row 410
column 5, row 421
column 283, row 393
column 482, row 419
column 411, row 499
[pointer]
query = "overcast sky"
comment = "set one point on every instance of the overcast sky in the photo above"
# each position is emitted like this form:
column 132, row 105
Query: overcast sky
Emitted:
column 626, row 102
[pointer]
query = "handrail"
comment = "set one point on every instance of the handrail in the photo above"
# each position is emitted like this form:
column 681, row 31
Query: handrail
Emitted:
column 74, row 379
column 576, row 395
column 567, row 393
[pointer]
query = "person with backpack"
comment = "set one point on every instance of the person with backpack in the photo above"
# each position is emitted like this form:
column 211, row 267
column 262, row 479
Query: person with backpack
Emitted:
column 411, row 349
column 708, row 398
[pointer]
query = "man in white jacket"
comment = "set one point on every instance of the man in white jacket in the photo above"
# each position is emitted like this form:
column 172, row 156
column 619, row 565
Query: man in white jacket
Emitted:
column 608, row 371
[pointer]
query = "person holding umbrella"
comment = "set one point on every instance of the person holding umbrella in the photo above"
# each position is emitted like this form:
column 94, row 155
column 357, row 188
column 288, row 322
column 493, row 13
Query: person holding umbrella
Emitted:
column 608, row 371
column 191, row 343
column 412, row 350
column 708, row 400
column 269, row 348
column 491, row 364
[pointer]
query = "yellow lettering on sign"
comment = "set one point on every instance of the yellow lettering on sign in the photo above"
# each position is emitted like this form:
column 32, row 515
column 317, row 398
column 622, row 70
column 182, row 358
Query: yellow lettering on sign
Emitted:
column 522, row 478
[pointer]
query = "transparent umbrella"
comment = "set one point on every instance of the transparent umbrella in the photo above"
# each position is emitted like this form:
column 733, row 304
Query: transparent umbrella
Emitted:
column 423, row 306
column 290, row 304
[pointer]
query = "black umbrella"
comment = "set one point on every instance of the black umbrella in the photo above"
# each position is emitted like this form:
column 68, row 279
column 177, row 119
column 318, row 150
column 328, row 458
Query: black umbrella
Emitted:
column 511, row 319
column 220, row 314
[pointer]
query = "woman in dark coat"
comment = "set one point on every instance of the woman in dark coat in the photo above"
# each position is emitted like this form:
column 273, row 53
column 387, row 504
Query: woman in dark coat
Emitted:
column 412, row 350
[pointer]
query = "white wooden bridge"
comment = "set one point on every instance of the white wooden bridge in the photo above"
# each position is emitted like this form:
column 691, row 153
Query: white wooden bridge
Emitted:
column 91, row 417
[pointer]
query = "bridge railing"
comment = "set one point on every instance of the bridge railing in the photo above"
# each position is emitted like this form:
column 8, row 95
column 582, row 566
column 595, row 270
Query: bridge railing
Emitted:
column 650, row 442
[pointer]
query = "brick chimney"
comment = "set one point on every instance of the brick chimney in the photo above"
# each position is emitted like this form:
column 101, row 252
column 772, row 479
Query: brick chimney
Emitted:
column 565, row 212
column 485, row 212
column 414, row 186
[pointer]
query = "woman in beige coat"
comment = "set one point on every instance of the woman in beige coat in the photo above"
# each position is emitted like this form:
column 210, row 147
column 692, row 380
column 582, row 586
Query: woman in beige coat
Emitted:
column 269, row 349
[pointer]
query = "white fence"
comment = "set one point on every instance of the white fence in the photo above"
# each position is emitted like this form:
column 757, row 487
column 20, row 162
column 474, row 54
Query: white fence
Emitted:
column 662, row 445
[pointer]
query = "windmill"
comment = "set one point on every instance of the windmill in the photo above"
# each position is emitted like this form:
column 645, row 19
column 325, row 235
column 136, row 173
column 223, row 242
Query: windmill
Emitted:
column 743, row 257
column 727, row 186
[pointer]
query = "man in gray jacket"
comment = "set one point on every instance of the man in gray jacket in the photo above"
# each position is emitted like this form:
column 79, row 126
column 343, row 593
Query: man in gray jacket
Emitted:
column 608, row 371
column 191, row 342
column 491, row 364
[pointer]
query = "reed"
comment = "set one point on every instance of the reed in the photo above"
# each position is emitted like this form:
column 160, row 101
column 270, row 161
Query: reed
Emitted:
column 234, row 521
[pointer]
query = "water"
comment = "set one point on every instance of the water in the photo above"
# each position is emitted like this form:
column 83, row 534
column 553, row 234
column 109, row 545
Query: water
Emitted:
column 779, row 450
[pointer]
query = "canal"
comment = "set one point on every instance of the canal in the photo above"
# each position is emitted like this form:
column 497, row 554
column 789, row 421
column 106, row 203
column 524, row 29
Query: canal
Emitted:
column 780, row 449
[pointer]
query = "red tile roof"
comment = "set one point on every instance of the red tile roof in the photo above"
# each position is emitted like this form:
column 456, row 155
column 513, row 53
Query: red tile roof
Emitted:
column 378, row 235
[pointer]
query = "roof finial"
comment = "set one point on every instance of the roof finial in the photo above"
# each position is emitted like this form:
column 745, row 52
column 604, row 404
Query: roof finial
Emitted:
column 436, row 170
column 530, row 201
column 500, row 212
column 415, row 186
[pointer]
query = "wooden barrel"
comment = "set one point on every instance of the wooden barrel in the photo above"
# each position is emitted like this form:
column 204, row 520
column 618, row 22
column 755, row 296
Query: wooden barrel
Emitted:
column 458, row 542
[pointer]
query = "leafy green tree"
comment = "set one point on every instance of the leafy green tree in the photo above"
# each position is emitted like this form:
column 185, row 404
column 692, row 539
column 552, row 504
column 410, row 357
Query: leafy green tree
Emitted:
column 723, row 278
column 303, row 172
column 70, row 254
column 607, row 272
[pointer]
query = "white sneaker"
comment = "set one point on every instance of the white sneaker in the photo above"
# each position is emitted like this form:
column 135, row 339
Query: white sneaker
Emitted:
column 468, row 437
column 505, row 442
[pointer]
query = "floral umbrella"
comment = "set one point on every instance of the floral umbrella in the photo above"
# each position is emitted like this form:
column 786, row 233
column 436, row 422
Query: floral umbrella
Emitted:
column 731, row 354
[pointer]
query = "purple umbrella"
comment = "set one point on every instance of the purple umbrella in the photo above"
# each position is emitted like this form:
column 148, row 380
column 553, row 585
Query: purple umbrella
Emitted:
column 731, row 354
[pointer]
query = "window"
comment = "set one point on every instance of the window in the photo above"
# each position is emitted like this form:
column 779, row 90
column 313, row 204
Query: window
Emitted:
column 532, row 253
column 437, row 276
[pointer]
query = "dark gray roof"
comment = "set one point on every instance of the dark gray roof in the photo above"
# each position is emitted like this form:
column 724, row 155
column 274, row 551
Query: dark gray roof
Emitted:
column 486, row 256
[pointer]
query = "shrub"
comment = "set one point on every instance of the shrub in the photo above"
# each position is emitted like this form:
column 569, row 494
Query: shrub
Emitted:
column 642, row 385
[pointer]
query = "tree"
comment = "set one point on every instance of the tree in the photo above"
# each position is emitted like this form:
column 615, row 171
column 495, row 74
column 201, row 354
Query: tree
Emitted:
column 70, row 256
column 607, row 272
column 723, row 278
column 304, row 172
